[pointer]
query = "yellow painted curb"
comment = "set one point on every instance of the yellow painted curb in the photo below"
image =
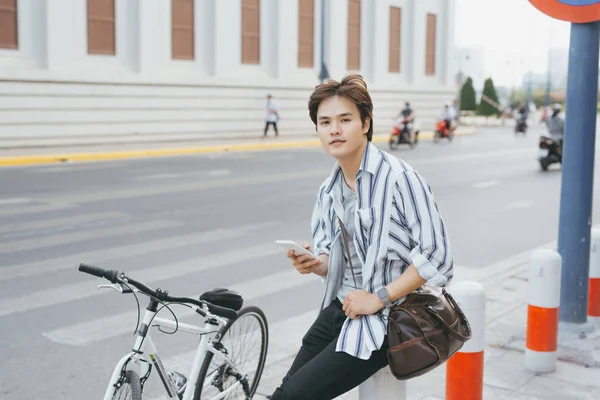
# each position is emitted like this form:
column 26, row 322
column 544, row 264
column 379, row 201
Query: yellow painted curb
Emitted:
column 115, row 155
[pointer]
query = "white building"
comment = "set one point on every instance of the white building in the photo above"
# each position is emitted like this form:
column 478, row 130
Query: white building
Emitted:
column 119, row 67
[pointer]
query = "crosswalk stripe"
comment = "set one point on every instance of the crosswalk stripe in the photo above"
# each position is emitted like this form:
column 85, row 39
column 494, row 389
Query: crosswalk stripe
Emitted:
column 104, row 328
column 132, row 250
column 82, row 236
column 58, row 222
column 77, row 291
column 188, row 187
column 69, row 167
column 14, row 200
column 179, row 175
column 38, row 209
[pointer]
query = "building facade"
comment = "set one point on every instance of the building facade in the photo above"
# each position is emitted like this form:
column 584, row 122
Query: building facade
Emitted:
column 119, row 67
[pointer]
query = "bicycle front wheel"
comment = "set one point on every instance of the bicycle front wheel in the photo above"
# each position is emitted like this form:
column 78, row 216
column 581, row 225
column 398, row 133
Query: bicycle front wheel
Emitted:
column 131, row 388
column 245, row 341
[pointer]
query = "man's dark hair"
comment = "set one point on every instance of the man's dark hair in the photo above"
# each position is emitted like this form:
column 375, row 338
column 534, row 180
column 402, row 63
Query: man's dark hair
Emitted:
column 353, row 88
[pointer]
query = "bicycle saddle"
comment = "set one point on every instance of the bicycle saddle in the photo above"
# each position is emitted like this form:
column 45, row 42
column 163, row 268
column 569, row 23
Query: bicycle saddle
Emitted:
column 224, row 298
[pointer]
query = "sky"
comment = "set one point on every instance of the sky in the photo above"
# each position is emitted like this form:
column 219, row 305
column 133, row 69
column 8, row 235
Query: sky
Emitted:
column 514, row 35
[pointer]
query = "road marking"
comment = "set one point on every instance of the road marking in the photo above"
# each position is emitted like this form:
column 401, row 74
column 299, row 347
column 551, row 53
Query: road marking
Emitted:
column 219, row 172
column 178, row 175
column 13, row 212
column 82, row 236
column 4, row 202
column 58, row 222
column 189, row 187
column 115, row 325
column 69, row 167
column 104, row 255
column 82, row 290
column 482, row 185
column 518, row 204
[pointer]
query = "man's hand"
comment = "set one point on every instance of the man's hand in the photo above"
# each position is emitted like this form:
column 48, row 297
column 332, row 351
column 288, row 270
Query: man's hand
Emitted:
column 303, row 263
column 361, row 303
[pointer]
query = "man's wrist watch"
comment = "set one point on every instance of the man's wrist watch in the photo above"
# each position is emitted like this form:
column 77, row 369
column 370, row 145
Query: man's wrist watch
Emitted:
column 384, row 296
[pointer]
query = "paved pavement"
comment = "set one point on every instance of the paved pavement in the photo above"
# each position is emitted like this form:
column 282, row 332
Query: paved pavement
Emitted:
column 192, row 223
column 505, row 375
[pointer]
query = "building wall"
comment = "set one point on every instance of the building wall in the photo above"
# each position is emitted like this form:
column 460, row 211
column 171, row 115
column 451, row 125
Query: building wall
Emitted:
column 50, row 86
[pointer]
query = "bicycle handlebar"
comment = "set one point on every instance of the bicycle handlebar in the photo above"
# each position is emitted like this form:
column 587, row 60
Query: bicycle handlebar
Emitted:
column 118, row 277
column 99, row 272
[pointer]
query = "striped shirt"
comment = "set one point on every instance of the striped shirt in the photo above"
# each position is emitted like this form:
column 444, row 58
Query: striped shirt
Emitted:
column 397, row 224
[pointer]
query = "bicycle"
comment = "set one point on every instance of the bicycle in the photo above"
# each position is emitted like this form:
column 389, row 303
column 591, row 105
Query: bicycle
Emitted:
column 213, row 367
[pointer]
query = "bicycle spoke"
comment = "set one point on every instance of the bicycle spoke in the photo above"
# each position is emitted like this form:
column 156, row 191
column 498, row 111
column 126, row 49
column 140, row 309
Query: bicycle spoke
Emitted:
column 244, row 342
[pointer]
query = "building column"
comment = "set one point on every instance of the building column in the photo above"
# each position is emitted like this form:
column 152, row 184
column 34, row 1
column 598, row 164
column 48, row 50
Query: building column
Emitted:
column 205, row 34
column 59, row 43
column 336, row 38
column 449, row 78
column 410, row 62
column 270, row 20
column 227, row 37
column 371, row 57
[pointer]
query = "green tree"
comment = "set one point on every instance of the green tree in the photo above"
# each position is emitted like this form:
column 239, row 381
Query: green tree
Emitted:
column 467, row 96
column 489, row 92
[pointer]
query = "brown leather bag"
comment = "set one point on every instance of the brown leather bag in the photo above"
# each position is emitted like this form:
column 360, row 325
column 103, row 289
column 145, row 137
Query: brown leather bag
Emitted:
column 423, row 331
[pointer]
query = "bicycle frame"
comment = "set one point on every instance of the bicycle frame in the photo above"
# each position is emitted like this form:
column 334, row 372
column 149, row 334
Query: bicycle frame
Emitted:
column 144, row 354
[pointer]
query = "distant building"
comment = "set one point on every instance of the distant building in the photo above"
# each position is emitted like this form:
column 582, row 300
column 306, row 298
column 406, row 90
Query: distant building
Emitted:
column 558, row 61
column 538, row 80
column 113, row 67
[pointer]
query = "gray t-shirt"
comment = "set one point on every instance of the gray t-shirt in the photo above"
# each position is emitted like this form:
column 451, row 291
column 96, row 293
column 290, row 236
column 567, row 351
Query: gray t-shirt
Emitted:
column 349, row 204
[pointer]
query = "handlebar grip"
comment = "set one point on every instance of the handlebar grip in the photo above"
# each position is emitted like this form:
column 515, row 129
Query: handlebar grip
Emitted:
column 222, row 311
column 92, row 270
column 110, row 275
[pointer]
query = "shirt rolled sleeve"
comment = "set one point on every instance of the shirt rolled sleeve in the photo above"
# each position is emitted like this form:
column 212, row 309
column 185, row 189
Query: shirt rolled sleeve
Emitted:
column 430, row 253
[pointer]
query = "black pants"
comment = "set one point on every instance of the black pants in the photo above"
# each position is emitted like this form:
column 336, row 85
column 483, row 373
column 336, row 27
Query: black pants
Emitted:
column 274, row 126
column 321, row 373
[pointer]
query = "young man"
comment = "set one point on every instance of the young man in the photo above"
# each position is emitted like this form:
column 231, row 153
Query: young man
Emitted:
column 272, row 116
column 396, row 240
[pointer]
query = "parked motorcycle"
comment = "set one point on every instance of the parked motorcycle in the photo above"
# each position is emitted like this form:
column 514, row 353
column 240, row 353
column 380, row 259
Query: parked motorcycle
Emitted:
column 441, row 131
column 402, row 134
column 550, row 151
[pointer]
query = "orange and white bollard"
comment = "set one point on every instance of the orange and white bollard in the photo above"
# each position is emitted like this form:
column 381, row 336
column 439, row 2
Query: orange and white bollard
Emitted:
column 464, row 370
column 542, row 313
column 594, row 289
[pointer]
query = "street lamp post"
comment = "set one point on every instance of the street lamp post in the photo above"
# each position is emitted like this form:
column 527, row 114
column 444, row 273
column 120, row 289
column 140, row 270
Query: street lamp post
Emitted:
column 324, row 74
column 460, row 79
column 549, row 80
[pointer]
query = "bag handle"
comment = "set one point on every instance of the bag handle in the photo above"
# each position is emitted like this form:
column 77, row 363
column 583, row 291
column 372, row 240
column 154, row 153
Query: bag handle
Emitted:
column 345, row 237
column 461, row 316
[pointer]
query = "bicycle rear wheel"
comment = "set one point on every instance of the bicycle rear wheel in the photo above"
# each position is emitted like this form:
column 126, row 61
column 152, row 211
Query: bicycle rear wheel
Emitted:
column 131, row 388
column 245, row 341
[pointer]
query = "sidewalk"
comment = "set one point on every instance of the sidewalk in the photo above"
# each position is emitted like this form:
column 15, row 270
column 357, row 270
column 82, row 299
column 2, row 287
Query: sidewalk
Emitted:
column 505, row 376
column 19, row 153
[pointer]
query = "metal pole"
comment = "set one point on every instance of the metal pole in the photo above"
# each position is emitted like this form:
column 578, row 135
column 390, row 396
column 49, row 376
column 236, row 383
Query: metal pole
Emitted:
column 578, row 174
column 529, row 88
column 324, row 74
column 549, row 82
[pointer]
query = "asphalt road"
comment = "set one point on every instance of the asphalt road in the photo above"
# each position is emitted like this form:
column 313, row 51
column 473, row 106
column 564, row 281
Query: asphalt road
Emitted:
column 191, row 223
